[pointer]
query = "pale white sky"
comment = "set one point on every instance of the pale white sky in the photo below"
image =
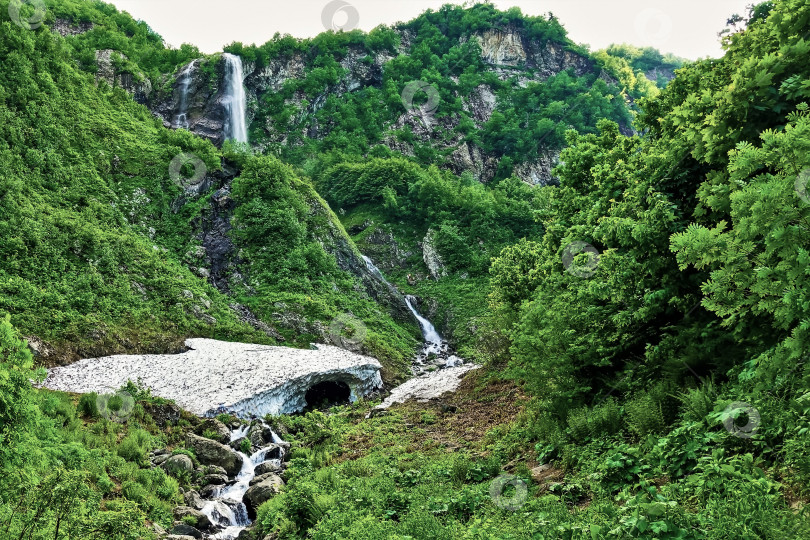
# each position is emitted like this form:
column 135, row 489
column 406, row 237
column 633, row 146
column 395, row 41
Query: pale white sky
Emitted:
column 687, row 28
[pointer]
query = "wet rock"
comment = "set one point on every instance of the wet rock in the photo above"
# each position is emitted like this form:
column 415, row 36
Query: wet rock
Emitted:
column 210, row 452
column 193, row 500
column 183, row 529
column 201, row 520
column 267, row 467
column 213, row 429
column 258, row 493
column 214, row 479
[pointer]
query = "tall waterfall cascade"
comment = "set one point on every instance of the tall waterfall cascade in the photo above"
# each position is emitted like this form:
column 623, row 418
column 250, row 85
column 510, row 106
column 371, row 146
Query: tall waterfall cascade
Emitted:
column 235, row 99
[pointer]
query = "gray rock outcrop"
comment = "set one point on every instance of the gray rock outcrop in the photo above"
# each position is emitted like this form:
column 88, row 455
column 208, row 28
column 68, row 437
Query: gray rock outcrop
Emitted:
column 210, row 452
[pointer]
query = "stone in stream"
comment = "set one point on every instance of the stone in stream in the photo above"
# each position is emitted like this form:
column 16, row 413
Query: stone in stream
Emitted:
column 214, row 429
column 214, row 480
column 184, row 530
column 210, row 452
column 193, row 499
column 266, row 489
column 201, row 521
column 267, row 467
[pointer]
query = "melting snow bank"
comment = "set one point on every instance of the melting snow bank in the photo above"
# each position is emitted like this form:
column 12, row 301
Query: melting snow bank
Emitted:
column 217, row 376
column 427, row 387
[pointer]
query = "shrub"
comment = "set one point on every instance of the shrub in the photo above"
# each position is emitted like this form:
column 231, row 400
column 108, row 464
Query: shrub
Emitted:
column 644, row 415
column 697, row 403
column 135, row 446
column 88, row 407
column 603, row 419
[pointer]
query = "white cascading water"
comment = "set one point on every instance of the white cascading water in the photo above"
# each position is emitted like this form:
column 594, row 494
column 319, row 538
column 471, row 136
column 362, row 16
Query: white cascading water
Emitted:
column 184, row 81
column 234, row 99
column 434, row 345
column 225, row 507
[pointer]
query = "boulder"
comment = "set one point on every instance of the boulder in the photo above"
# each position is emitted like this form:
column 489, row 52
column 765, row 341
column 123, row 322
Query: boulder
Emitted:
column 201, row 520
column 178, row 464
column 267, row 467
column 210, row 452
column 164, row 414
column 266, row 489
column 193, row 499
column 215, row 430
column 214, row 469
column 214, row 480
column 186, row 531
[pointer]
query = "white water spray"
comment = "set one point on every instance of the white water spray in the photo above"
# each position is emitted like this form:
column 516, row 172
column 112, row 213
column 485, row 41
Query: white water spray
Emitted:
column 184, row 82
column 225, row 507
column 234, row 99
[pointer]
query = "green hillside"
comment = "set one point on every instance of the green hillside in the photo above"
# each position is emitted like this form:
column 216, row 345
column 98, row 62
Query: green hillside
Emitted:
column 641, row 315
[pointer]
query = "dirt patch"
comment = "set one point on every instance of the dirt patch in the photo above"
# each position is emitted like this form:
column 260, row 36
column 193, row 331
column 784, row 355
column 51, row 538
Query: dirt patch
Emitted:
column 457, row 420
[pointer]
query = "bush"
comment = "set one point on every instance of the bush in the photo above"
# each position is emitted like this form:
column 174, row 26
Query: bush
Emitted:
column 88, row 406
column 603, row 419
column 644, row 415
column 135, row 446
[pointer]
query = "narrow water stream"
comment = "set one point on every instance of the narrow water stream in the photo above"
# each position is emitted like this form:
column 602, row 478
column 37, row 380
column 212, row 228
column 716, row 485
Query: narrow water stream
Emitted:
column 225, row 507
column 436, row 352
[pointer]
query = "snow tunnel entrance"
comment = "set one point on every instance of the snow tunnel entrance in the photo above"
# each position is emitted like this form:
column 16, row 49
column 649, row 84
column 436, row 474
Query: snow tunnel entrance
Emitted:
column 327, row 394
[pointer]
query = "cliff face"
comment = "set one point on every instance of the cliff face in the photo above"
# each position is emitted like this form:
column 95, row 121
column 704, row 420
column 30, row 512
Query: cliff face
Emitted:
column 507, row 53
column 199, row 106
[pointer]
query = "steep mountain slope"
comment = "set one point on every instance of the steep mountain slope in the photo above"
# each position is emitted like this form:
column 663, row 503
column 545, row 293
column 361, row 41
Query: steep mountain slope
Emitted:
column 474, row 90
column 112, row 242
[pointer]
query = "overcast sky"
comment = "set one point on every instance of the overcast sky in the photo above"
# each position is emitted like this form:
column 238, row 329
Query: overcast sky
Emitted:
column 687, row 28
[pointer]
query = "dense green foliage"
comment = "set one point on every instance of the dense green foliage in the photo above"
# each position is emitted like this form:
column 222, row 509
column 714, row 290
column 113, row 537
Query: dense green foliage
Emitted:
column 66, row 474
column 97, row 236
column 638, row 374
column 442, row 52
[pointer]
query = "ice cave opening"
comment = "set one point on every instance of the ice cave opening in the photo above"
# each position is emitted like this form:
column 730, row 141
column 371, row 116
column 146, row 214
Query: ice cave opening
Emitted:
column 327, row 394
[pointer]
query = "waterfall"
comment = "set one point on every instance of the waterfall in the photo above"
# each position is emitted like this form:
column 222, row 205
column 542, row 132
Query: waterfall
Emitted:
column 428, row 331
column 435, row 350
column 225, row 507
column 184, row 81
column 234, row 100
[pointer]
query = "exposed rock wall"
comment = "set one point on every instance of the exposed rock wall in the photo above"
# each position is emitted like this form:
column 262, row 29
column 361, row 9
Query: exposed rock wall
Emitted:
column 507, row 51
column 136, row 84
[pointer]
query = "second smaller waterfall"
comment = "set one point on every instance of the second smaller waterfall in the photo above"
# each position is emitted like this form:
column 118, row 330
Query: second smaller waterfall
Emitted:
column 235, row 99
column 183, row 84
column 436, row 352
